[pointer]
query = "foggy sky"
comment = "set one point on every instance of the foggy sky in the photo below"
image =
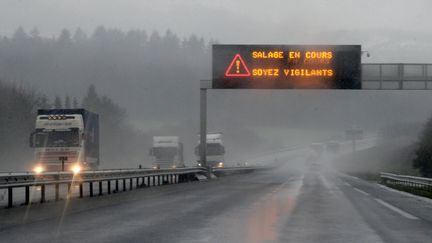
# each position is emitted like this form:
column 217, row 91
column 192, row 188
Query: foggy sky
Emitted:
column 226, row 20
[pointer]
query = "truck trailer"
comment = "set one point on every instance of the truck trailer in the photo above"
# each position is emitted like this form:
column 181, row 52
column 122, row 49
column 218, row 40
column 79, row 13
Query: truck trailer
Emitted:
column 65, row 140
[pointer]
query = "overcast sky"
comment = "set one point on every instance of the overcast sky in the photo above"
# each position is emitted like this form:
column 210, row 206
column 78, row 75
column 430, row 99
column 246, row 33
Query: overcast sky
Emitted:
column 227, row 20
column 381, row 26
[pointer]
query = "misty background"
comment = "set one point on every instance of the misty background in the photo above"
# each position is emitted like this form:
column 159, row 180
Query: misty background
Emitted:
column 147, row 57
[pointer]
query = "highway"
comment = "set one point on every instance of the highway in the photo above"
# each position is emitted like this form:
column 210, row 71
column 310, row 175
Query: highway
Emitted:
column 293, row 203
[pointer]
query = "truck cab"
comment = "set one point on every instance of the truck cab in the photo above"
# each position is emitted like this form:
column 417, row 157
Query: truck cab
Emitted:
column 65, row 140
column 215, row 150
column 167, row 152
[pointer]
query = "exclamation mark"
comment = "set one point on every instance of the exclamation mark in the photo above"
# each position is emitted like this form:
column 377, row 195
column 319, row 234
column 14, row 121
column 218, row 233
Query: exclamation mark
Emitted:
column 238, row 65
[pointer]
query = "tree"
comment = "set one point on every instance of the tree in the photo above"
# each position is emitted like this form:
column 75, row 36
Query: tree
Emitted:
column 20, row 35
column 17, row 109
column 57, row 103
column 99, row 35
column 64, row 39
column 79, row 36
column 91, row 100
column 42, row 102
column 423, row 155
column 136, row 38
column 75, row 103
column 67, row 102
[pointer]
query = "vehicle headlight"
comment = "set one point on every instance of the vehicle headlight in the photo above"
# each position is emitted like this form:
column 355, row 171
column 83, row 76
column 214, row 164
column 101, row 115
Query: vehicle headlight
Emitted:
column 220, row 164
column 38, row 169
column 76, row 169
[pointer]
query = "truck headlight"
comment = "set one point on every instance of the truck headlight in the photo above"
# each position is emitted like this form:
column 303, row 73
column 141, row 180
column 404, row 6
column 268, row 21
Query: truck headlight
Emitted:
column 76, row 169
column 220, row 165
column 38, row 169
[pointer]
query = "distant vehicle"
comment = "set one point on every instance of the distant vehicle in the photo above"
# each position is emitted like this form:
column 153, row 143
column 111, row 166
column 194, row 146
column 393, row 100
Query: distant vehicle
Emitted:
column 215, row 150
column 65, row 140
column 167, row 152
column 333, row 147
column 318, row 148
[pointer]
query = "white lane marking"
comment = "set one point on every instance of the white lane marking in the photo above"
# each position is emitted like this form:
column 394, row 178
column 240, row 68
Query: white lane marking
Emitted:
column 395, row 209
column 362, row 192
column 347, row 184
column 424, row 199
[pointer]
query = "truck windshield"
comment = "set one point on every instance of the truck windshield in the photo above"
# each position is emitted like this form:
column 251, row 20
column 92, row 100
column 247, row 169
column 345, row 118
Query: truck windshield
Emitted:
column 213, row 149
column 68, row 138
column 164, row 151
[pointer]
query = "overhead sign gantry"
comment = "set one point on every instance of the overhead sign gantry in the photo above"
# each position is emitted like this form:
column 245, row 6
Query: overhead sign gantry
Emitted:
column 286, row 67
column 279, row 67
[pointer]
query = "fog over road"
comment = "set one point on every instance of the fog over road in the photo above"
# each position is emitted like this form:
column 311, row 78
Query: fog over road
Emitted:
column 294, row 203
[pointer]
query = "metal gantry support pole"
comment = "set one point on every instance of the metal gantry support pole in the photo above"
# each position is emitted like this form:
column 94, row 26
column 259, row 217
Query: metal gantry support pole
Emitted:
column 204, row 86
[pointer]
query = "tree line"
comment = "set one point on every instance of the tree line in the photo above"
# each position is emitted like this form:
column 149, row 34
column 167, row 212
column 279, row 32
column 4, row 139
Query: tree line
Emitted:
column 134, row 67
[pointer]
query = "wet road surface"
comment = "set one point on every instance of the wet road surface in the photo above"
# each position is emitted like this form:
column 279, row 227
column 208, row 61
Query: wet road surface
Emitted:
column 289, row 204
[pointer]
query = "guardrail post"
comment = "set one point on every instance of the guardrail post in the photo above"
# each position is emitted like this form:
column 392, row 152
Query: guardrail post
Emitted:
column 100, row 188
column 27, row 195
column 154, row 181
column 130, row 184
column 117, row 185
column 109, row 186
column 81, row 190
column 57, row 193
column 42, row 194
column 10, row 197
column 124, row 185
column 91, row 188
column 137, row 182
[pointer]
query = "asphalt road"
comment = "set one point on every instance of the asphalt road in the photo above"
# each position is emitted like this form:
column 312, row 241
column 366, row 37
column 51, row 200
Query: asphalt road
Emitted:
column 294, row 203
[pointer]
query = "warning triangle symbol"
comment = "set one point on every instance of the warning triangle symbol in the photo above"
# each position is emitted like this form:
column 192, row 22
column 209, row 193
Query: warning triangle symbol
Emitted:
column 237, row 68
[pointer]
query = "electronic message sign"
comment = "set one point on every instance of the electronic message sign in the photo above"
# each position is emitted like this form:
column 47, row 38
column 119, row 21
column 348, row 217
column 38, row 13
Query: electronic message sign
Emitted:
column 286, row 67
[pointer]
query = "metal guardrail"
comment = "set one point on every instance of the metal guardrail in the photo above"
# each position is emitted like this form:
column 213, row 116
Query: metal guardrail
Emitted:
column 414, row 182
column 142, row 178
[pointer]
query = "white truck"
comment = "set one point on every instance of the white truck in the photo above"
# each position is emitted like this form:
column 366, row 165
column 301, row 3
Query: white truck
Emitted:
column 215, row 150
column 65, row 140
column 167, row 152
